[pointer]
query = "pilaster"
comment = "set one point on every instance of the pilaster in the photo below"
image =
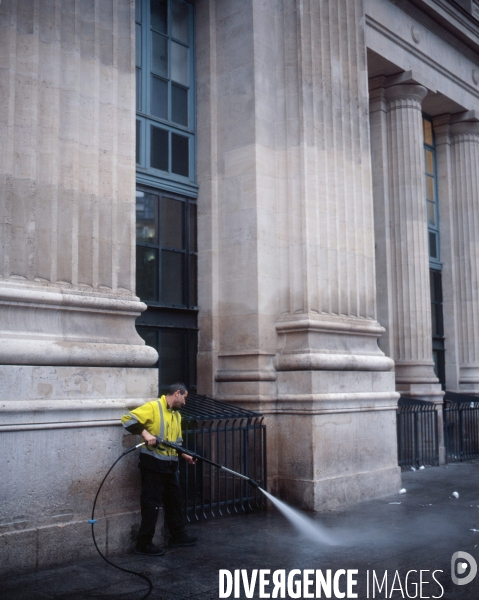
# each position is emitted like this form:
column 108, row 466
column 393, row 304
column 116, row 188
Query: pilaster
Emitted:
column 382, row 230
column 442, row 136
column 237, row 200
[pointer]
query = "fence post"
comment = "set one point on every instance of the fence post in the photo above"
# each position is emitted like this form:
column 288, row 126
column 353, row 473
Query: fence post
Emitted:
column 418, row 433
column 440, row 431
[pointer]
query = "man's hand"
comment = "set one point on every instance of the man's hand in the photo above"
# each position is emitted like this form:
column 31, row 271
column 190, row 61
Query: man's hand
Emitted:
column 149, row 439
column 189, row 459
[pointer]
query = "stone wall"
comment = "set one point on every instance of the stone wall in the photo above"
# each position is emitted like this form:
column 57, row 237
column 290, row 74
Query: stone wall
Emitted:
column 59, row 435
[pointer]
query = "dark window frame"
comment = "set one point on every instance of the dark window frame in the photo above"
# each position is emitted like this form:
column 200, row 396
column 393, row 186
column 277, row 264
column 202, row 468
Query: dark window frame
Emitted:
column 433, row 228
column 435, row 265
column 145, row 118
column 189, row 253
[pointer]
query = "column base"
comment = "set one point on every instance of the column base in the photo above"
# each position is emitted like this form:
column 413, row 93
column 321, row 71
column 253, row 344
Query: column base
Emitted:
column 335, row 437
column 60, row 434
column 54, row 325
column 337, row 492
column 469, row 379
column 415, row 376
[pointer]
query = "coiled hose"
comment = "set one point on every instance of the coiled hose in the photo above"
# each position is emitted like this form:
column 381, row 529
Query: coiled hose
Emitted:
column 92, row 522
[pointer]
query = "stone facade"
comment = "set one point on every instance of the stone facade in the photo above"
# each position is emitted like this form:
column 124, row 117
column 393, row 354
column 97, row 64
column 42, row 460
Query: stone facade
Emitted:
column 312, row 232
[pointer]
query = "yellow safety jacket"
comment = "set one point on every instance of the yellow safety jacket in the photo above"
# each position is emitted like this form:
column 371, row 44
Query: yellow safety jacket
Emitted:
column 159, row 420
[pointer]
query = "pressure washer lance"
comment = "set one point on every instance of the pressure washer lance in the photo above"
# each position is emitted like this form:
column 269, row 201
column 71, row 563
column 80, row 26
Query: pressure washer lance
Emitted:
column 180, row 450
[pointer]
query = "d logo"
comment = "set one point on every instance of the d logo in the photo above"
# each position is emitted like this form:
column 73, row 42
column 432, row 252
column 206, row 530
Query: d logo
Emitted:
column 462, row 568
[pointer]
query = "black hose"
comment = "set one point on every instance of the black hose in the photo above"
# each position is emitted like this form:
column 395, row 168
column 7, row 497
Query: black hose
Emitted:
column 93, row 521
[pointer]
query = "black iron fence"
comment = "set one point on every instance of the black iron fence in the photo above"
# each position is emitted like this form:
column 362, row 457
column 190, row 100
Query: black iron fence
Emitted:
column 233, row 437
column 417, row 433
column 461, row 426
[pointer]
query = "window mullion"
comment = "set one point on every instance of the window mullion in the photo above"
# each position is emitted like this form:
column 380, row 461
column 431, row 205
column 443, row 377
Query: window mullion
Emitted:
column 145, row 58
column 186, row 237
column 159, row 240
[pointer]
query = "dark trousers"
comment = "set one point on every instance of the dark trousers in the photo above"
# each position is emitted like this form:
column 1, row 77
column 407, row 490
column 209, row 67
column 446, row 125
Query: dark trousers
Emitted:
column 156, row 489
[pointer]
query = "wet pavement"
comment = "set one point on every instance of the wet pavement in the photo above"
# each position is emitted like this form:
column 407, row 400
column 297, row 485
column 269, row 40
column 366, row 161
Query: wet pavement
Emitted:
column 395, row 547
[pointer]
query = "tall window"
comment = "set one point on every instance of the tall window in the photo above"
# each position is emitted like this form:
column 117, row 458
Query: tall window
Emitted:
column 164, row 90
column 431, row 195
column 166, row 221
column 166, row 253
column 435, row 265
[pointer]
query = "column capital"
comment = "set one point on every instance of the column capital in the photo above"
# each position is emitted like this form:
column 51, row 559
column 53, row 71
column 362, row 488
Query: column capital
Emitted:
column 409, row 77
column 442, row 129
column 406, row 91
column 465, row 123
column 465, row 128
column 376, row 83
column 377, row 98
column 466, row 115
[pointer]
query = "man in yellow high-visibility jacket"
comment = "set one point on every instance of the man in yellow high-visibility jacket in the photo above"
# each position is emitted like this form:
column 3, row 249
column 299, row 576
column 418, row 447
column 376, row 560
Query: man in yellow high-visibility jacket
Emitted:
column 155, row 421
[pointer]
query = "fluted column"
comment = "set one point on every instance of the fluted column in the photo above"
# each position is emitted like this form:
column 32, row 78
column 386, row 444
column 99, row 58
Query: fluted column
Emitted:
column 409, row 241
column 67, row 206
column 333, row 379
column 328, row 297
column 465, row 178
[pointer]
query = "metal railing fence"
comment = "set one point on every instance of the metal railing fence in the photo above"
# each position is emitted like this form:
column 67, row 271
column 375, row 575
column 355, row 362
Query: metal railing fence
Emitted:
column 417, row 433
column 233, row 437
column 461, row 426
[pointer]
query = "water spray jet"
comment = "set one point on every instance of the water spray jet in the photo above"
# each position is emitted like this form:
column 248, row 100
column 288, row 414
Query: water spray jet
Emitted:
column 303, row 524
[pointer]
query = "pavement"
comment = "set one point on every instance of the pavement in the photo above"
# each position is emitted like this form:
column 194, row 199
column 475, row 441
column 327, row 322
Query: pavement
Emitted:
column 400, row 546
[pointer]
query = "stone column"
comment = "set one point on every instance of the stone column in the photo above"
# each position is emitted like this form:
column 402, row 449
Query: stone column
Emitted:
column 333, row 380
column 71, row 360
column 465, row 170
column 288, row 309
column 67, row 271
column 409, row 244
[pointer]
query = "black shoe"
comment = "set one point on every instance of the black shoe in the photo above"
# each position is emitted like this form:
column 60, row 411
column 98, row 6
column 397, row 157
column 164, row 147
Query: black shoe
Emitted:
column 183, row 539
column 149, row 550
